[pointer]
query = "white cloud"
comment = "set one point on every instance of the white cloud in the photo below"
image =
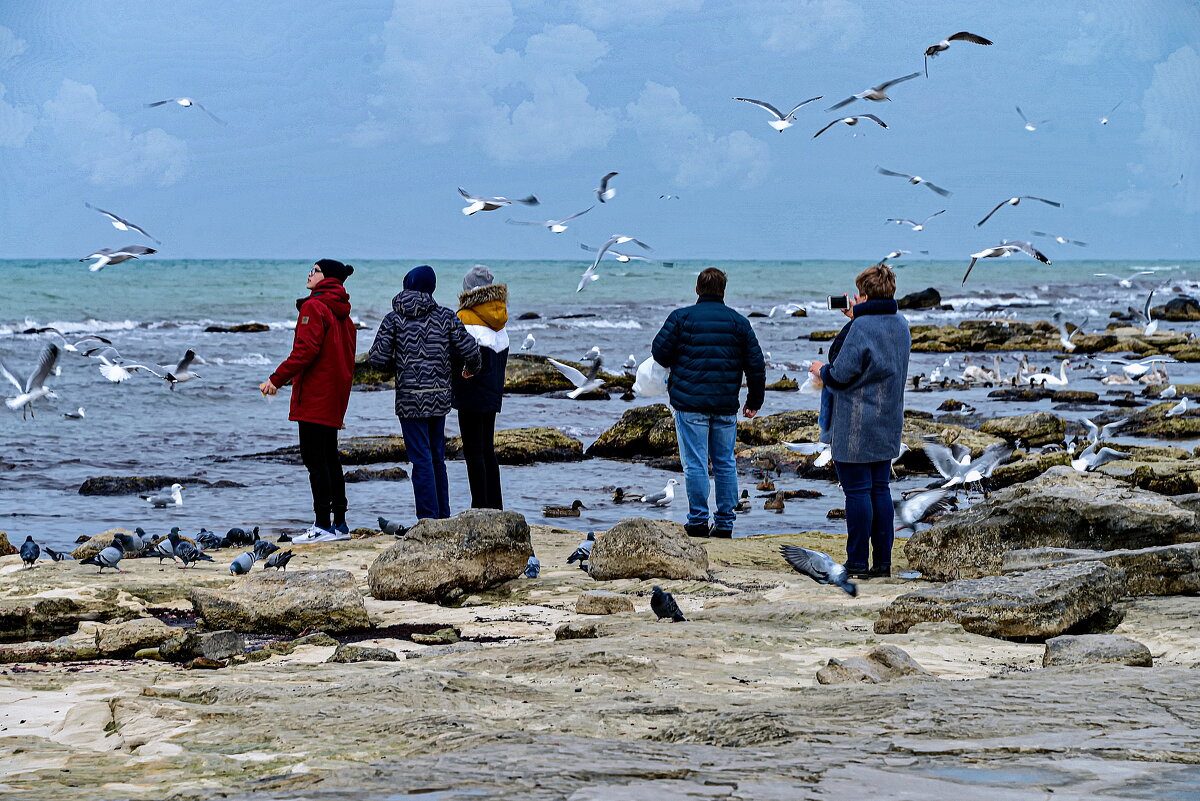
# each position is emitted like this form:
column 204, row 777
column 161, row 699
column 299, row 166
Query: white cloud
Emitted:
column 97, row 142
column 611, row 13
column 1171, row 129
column 16, row 122
column 11, row 46
column 678, row 142
column 1127, row 203
column 794, row 26
column 1108, row 29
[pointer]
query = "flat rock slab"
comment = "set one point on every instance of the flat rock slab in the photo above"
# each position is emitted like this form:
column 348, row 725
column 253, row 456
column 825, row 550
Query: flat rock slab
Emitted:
column 882, row 663
column 1059, row 509
column 23, row 619
column 189, row 645
column 126, row 639
column 346, row 653
column 1164, row 570
column 1034, row 605
column 642, row 548
column 602, row 602
column 285, row 603
column 1096, row 649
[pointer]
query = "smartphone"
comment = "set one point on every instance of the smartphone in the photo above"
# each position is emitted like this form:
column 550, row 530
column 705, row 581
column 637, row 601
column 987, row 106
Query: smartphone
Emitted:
column 839, row 302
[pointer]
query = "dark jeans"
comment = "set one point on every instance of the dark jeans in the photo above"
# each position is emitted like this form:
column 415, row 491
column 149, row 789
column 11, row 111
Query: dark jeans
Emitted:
column 870, row 517
column 319, row 452
column 479, row 450
column 425, row 441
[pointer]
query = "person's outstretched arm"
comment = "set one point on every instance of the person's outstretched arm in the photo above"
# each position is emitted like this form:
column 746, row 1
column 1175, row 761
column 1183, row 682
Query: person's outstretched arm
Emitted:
column 306, row 344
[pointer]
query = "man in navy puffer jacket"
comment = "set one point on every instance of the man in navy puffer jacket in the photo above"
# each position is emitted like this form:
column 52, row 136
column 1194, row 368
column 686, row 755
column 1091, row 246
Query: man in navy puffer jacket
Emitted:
column 709, row 347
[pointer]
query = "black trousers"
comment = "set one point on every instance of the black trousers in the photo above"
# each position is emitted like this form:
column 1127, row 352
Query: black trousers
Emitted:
column 479, row 450
column 319, row 452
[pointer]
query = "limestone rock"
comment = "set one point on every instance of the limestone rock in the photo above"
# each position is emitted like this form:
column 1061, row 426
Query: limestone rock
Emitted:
column 925, row 299
column 882, row 663
column 23, row 619
column 1162, row 570
column 6, row 547
column 643, row 548
column 772, row 429
column 126, row 639
column 537, row 444
column 360, row 653
column 602, row 602
column 1096, row 649
column 1038, row 428
column 1033, row 605
column 1061, row 509
column 192, row 644
column 284, row 603
column 784, row 384
column 439, row 560
column 367, row 474
column 446, row 636
column 577, row 631
column 204, row 663
column 630, row 436
column 96, row 543
column 61, row 650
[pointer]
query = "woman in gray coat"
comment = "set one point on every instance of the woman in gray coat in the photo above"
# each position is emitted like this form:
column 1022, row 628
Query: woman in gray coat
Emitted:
column 866, row 382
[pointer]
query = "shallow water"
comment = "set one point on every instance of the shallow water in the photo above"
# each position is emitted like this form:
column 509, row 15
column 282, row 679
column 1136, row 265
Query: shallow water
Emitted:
column 155, row 310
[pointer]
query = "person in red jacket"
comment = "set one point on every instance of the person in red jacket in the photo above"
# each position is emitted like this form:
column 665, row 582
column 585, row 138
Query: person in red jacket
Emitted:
column 321, row 370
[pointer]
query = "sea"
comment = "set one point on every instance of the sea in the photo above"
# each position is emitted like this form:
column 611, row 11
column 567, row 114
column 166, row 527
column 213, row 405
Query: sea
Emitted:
column 154, row 310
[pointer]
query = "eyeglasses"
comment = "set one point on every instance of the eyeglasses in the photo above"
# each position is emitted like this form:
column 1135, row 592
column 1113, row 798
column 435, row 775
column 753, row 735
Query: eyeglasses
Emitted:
column 314, row 271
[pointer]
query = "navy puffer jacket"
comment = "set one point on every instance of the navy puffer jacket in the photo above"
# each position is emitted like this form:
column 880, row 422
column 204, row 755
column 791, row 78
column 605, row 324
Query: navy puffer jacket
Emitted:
column 709, row 347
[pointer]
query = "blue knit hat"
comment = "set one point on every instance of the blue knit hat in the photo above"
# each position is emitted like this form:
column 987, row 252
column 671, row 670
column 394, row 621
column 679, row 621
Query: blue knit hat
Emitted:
column 421, row 279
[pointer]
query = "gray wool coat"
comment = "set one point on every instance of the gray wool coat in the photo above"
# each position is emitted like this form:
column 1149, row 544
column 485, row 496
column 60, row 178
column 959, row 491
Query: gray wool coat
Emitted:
column 867, row 381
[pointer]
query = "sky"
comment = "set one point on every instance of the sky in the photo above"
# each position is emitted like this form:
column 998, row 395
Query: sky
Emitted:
column 349, row 126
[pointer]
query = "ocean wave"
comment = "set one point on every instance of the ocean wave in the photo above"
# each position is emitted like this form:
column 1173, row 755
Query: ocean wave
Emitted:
column 88, row 326
column 628, row 325
column 253, row 360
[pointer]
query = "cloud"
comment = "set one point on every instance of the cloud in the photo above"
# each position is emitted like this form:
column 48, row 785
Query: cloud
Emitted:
column 16, row 122
column 97, row 142
column 1108, row 29
column 611, row 13
column 678, row 142
column 794, row 26
column 10, row 47
column 1127, row 203
column 1171, row 127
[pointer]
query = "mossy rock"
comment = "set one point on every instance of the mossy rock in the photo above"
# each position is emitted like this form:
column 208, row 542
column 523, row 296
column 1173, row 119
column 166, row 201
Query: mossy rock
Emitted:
column 784, row 384
column 1027, row 468
column 539, row 444
column 366, row 374
column 1037, row 428
column 822, row 336
column 772, row 429
column 630, row 436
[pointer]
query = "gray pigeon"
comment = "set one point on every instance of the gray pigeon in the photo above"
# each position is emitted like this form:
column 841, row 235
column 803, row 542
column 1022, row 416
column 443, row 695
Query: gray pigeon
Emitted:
column 147, row 539
column 30, row 551
column 263, row 549
column 241, row 566
column 210, row 540
column 165, row 547
column 664, row 606
column 55, row 555
column 109, row 557
column 911, row 511
column 819, row 567
column 131, row 544
column 390, row 527
column 279, row 560
column 583, row 552
column 189, row 554
column 533, row 567
column 239, row 537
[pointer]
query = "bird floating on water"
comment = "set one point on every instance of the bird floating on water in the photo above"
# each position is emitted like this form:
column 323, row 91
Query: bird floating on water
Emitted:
column 564, row 511
column 172, row 497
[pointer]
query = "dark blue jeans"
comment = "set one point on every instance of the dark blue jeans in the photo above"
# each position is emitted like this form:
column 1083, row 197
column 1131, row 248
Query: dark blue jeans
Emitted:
column 425, row 441
column 870, row 517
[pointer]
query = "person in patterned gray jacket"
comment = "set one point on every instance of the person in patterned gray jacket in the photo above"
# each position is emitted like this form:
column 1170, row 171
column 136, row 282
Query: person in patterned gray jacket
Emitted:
column 423, row 344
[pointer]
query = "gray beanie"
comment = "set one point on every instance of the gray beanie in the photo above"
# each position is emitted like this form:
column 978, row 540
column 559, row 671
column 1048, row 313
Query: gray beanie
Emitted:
column 479, row 276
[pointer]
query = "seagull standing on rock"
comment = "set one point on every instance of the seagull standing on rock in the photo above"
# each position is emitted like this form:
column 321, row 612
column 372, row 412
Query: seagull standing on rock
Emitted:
column 529, row 342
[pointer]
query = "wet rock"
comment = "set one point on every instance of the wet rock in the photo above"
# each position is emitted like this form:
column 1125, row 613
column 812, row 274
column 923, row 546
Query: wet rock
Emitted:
column 529, row 316
column 925, row 299
column 577, row 631
column 784, row 384
column 642, row 548
column 6, row 547
column 527, row 374
column 133, row 485
column 363, row 533
column 126, row 639
column 1062, row 509
column 191, row 644
column 284, row 603
column 1033, row 605
column 367, row 474
column 1153, row 422
column 883, row 663
column 836, row 514
column 1074, row 396
column 359, row 653
column 822, row 336
column 319, row 639
column 772, row 459
column 602, row 602
column 772, row 429
column 1021, row 394
column 38, row 618
column 630, row 436
column 1178, row 310
column 150, row 654
column 238, row 328
column 204, row 663
column 951, row 405
column 1096, row 649
column 446, row 636
column 1162, row 570
column 439, row 560
column 1027, row 468
column 538, row 444
column 1037, row 428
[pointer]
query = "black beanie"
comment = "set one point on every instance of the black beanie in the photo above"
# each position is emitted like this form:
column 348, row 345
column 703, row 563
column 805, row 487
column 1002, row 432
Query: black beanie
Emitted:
column 335, row 269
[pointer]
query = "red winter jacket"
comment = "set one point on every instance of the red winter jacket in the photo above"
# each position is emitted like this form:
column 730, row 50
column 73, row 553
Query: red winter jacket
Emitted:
column 321, row 365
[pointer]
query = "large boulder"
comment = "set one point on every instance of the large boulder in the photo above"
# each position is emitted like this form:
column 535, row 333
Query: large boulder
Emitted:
column 440, row 560
column 642, row 548
column 771, row 429
column 1038, row 428
column 1181, row 309
column 38, row 618
column 539, row 444
column 6, row 547
column 97, row 543
column 284, row 603
column 1162, row 570
column 630, row 436
column 126, row 639
column 1061, row 508
column 883, row 663
column 1033, row 605
column 925, row 299
column 1095, row 649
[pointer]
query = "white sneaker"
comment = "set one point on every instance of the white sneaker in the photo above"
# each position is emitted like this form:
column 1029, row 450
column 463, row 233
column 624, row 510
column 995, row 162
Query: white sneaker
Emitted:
column 312, row 534
column 331, row 536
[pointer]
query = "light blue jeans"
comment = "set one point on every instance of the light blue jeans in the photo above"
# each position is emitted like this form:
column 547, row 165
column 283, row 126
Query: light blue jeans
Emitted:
column 704, row 438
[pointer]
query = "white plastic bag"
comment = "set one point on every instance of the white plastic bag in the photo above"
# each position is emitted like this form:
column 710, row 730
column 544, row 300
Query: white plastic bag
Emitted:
column 651, row 379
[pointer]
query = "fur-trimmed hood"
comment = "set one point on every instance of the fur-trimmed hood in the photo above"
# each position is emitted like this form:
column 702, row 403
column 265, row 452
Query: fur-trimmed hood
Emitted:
column 484, row 305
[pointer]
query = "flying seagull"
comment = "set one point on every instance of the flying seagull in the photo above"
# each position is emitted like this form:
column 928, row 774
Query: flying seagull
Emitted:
column 481, row 203
column 1029, row 126
column 603, row 193
column 1004, row 250
column 186, row 102
column 555, row 226
column 915, row 179
column 183, row 371
column 962, row 36
column 1064, row 337
column 69, row 347
column 916, row 226
column 852, row 121
column 1105, row 118
column 121, row 224
column 1016, row 201
column 876, row 93
column 34, row 387
column 964, row 470
column 114, row 367
column 1097, row 433
column 106, row 256
column 819, row 567
column 583, row 384
column 624, row 258
column 663, row 605
column 1091, row 458
column 782, row 121
column 823, row 452
column 1124, row 283
column 590, row 273
column 1062, row 240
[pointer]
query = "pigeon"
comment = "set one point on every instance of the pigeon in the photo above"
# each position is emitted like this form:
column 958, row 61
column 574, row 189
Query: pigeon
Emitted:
column 1091, row 458
column 555, row 226
column 1097, row 433
column 915, row 180
column 210, row 540
column 107, row 256
column 241, row 566
column 55, row 555
column 533, row 567
column 583, row 552
column 876, row 93
column 131, row 544
column 189, row 554
column 664, row 496
column 583, row 383
column 664, row 606
column 1180, row 408
column 30, row 551
column 264, row 548
column 278, row 560
column 916, row 226
column 603, row 191
column 1062, row 240
column 109, row 557
column 529, row 342
column 852, row 121
column 174, row 496
column 1016, row 201
column 388, row 527
column 782, row 121
column 480, row 203
column 183, row 371
column 239, row 536
column 34, row 387
column 1004, row 250
column 186, row 102
column 165, row 547
column 121, row 224
column 910, row 511
column 962, row 36
column 1029, row 126
column 819, row 567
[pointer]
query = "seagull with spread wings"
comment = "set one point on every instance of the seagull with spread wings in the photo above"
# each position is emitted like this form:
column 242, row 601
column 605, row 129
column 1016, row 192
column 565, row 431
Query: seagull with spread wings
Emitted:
column 1062, row 240
column 915, row 180
column 106, row 256
column 1016, row 201
column 916, row 226
column 604, row 191
column 121, row 224
column 782, row 121
column 554, row 226
column 482, row 203
column 852, row 121
column 962, row 36
column 1029, row 126
column 1004, row 250
column 187, row 102
column 876, row 93
column 34, row 386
